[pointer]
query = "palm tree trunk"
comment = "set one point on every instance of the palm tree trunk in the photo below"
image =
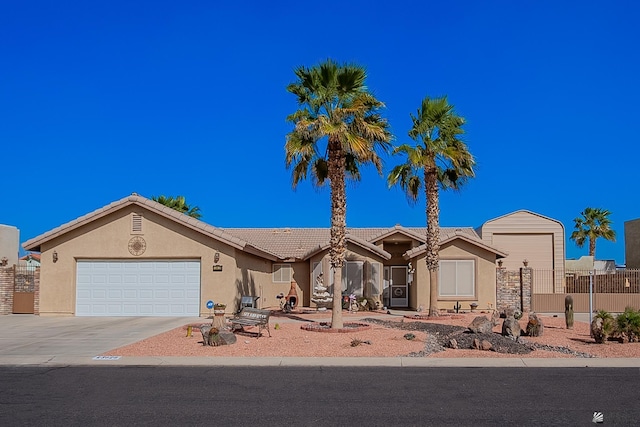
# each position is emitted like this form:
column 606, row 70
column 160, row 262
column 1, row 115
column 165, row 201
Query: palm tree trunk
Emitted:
column 592, row 247
column 338, row 249
column 433, row 236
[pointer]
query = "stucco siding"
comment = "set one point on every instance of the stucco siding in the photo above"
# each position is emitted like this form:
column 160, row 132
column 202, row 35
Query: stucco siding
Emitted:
column 108, row 237
column 485, row 276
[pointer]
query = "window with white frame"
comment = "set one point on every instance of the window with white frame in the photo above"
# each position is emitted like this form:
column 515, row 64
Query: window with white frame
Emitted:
column 281, row 273
column 457, row 278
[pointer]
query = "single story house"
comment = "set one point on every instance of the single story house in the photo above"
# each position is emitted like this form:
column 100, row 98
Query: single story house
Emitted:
column 30, row 260
column 136, row 257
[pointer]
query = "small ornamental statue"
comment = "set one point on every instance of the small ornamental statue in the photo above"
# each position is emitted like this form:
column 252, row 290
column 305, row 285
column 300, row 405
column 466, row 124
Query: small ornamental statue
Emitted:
column 321, row 297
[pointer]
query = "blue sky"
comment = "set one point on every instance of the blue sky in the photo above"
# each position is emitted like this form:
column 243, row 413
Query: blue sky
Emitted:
column 102, row 99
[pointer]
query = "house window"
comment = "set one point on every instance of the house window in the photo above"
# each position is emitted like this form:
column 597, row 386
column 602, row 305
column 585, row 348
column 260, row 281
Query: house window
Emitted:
column 352, row 278
column 457, row 278
column 317, row 271
column 374, row 279
column 281, row 273
column 136, row 223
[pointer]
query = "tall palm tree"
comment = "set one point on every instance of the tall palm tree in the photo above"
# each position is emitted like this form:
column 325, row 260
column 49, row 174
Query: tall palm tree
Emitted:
column 337, row 129
column 593, row 223
column 444, row 161
column 180, row 204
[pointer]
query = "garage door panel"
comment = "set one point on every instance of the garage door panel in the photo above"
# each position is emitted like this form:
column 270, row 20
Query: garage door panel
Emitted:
column 146, row 293
column 161, row 294
column 138, row 288
column 130, row 293
column 177, row 294
column 536, row 248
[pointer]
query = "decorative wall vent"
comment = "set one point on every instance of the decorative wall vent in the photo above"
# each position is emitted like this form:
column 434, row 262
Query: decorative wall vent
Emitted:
column 136, row 223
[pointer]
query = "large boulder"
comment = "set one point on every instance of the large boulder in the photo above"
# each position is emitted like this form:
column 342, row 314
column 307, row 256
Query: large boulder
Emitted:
column 481, row 325
column 215, row 337
column 511, row 328
column 534, row 326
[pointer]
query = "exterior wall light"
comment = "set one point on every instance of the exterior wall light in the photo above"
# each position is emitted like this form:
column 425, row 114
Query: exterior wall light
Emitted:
column 500, row 263
column 55, row 256
column 216, row 257
column 526, row 262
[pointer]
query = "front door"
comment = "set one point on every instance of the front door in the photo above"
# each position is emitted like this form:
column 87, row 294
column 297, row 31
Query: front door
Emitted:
column 399, row 291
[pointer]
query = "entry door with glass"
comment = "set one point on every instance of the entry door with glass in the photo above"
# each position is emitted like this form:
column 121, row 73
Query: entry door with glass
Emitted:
column 399, row 289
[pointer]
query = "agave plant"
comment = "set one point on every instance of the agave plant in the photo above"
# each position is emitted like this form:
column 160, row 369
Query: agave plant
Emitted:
column 628, row 324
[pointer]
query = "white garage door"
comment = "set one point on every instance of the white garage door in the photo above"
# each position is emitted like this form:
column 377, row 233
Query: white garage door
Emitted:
column 138, row 288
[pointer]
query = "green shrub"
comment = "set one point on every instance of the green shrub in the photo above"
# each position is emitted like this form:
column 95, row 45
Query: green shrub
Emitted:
column 628, row 325
column 602, row 326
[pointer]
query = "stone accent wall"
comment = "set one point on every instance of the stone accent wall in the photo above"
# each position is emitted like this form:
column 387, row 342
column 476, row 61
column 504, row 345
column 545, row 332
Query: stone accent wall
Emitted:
column 513, row 289
column 526, row 284
column 36, row 292
column 6, row 290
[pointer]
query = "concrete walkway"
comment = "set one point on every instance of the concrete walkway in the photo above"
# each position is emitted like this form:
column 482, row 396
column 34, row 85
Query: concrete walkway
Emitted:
column 64, row 341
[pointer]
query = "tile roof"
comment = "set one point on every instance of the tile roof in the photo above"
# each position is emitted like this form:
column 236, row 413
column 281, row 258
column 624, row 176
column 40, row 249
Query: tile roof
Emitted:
column 203, row 227
column 270, row 243
column 300, row 243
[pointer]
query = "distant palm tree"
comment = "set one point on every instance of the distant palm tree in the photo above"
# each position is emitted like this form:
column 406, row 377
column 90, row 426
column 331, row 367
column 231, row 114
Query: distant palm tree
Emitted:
column 337, row 129
column 593, row 223
column 444, row 161
column 178, row 203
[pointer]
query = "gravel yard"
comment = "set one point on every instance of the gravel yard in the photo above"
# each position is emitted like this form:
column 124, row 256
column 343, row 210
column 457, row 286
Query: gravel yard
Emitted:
column 385, row 338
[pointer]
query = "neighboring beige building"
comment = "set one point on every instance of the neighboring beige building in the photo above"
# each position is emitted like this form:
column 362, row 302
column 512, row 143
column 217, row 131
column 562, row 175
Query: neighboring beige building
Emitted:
column 135, row 257
column 9, row 244
column 632, row 243
column 529, row 236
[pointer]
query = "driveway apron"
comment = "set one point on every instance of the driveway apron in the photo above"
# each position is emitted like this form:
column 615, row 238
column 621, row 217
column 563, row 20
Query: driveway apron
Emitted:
column 28, row 335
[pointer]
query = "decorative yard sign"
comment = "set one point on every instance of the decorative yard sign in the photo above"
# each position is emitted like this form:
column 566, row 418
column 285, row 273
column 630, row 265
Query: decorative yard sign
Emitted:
column 209, row 304
column 217, row 267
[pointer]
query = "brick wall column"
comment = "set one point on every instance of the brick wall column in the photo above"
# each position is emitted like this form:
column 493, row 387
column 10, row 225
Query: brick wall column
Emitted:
column 508, row 289
column 526, row 283
column 6, row 290
column 36, row 292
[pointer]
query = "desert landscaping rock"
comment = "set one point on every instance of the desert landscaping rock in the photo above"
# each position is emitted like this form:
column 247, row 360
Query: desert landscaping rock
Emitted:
column 535, row 328
column 481, row 325
column 434, row 338
column 511, row 328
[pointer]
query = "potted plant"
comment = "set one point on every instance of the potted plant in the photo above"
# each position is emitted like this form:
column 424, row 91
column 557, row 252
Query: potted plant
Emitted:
column 219, row 308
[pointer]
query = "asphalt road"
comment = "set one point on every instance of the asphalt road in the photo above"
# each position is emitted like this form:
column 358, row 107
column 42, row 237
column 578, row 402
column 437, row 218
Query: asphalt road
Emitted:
column 320, row 396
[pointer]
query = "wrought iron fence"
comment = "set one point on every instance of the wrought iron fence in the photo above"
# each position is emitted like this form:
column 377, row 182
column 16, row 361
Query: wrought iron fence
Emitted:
column 24, row 278
column 612, row 282
column 564, row 281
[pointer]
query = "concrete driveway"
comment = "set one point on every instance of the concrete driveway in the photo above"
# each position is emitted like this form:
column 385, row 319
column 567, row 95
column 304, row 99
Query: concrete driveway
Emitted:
column 25, row 337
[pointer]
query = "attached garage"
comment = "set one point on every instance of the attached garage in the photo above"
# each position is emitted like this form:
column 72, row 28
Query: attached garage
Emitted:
column 137, row 288
column 526, row 235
